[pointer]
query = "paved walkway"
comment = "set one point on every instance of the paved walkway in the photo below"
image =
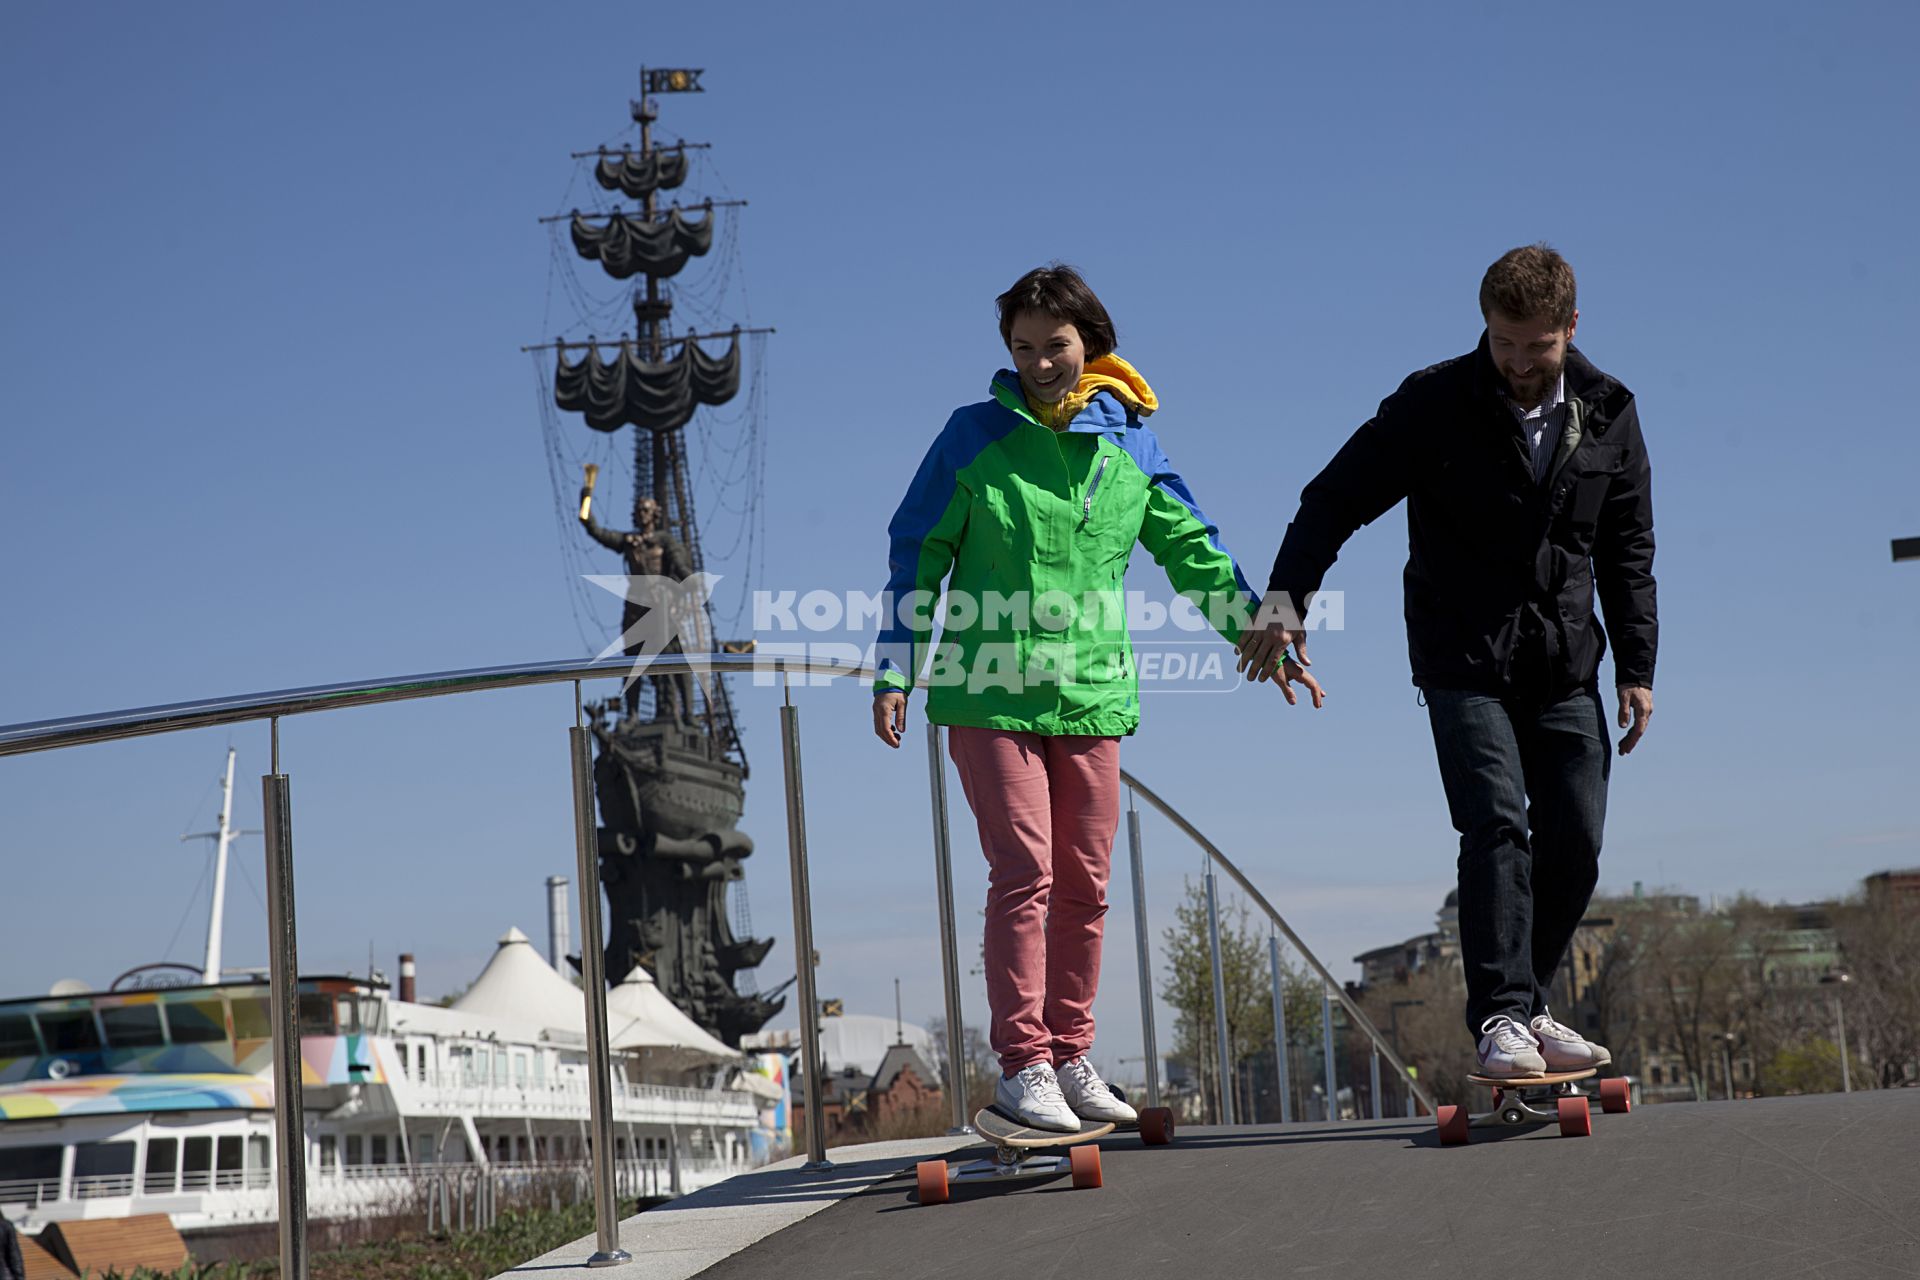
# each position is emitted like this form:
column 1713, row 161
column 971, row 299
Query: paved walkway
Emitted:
column 684, row 1237
column 1821, row 1187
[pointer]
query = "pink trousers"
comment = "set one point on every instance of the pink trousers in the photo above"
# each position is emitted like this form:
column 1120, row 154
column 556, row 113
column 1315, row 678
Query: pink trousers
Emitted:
column 1047, row 807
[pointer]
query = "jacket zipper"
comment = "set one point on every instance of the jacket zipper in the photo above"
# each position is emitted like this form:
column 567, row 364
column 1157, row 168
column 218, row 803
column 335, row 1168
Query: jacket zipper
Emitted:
column 1086, row 508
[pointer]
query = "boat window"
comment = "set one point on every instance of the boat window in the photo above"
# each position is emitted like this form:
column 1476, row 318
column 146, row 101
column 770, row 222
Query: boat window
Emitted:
column 132, row 1026
column 500, row 1067
column 379, row 1153
column 232, row 1160
column 348, row 1012
column 520, row 1070
column 316, row 1015
column 30, row 1173
column 196, row 1166
column 329, row 1152
column 372, row 1015
column 197, row 1021
column 259, row 1161
column 71, row 1031
column 102, row 1169
column 353, row 1149
column 539, row 1068
column 16, row 1037
column 163, row 1166
column 252, row 1020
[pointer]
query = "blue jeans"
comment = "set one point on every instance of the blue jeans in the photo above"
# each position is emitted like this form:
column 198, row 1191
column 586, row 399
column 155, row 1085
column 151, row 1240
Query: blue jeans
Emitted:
column 1526, row 783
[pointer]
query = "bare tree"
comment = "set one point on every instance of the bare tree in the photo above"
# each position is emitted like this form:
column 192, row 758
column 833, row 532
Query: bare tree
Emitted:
column 1881, row 942
column 980, row 1068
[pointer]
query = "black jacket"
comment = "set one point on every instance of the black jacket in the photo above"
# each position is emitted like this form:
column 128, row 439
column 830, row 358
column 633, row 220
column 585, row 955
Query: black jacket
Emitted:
column 1501, row 568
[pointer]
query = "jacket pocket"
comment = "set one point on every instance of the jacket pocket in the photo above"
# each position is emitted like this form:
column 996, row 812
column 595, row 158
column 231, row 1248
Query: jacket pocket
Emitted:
column 1594, row 472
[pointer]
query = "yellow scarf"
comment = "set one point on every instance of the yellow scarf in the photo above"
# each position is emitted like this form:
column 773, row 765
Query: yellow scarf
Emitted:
column 1108, row 373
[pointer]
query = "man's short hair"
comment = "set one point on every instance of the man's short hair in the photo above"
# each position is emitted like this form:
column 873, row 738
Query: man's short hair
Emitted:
column 1058, row 290
column 1529, row 281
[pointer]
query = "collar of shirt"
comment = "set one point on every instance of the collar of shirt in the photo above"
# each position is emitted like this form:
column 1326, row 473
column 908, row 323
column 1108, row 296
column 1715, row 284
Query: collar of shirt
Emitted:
column 1540, row 425
column 1545, row 407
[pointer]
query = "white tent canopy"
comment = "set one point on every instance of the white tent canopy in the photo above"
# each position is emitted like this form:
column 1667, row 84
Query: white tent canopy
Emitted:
column 518, row 984
column 640, row 1017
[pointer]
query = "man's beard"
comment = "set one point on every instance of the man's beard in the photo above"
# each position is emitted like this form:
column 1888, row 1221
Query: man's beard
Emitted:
column 1538, row 385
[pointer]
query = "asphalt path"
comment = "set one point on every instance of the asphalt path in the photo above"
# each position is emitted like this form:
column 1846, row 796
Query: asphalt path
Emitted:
column 1824, row 1186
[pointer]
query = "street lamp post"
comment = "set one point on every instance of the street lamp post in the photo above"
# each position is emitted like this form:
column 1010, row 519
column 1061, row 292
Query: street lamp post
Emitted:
column 1726, row 1039
column 1838, row 981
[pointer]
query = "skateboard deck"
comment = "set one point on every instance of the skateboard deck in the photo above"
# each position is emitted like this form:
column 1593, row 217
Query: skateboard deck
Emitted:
column 1015, row 1145
column 1003, row 1130
column 1552, row 1097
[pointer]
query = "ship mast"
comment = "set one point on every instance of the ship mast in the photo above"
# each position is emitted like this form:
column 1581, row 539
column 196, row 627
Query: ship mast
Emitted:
column 222, row 837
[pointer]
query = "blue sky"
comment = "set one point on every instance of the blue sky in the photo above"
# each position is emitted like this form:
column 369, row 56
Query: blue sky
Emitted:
column 266, row 275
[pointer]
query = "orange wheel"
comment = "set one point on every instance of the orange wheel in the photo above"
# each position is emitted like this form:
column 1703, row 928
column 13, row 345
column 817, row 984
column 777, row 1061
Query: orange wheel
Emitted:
column 1616, row 1098
column 1453, row 1126
column 1156, row 1126
column 932, row 1175
column 1575, row 1120
column 1085, row 1160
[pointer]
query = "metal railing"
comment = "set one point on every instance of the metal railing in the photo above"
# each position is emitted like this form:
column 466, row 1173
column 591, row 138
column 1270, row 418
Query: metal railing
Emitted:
column 272, row 707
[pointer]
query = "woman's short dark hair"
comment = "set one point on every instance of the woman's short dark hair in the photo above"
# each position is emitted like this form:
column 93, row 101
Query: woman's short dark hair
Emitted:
column 1057, row 290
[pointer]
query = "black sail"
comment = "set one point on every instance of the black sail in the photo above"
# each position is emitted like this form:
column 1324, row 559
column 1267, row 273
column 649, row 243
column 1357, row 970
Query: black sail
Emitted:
column 629, row 389
column 637, row 173
column 627, row 246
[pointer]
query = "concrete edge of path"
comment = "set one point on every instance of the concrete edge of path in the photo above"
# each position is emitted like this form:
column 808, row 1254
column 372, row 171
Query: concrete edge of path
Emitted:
column 684, row 1237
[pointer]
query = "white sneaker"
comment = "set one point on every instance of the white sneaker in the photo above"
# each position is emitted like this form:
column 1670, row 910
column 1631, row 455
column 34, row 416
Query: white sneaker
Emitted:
column 1087, row 1094
column 1508, row 1049
column 1563, row 1048
column 1032, row 1096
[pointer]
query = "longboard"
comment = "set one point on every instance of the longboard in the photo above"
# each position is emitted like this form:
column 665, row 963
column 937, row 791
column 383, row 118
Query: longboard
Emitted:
column 1524, row 1100
column 1014, row 1144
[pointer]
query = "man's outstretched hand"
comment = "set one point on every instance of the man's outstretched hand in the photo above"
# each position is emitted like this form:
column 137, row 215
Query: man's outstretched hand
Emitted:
column 1636, row 710
column 1261, row 645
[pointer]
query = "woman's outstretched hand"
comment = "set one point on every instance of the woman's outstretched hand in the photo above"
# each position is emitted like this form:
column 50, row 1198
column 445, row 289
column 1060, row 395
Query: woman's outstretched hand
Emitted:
column 890, row 716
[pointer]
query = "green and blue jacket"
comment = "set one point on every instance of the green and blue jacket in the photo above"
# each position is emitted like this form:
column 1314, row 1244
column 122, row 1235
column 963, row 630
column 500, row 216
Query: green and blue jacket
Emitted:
column 1031, row 531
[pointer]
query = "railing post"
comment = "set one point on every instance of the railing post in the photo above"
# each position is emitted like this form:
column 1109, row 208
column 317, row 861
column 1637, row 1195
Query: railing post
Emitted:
column 593, row 980
column 949, row 947
column 1219, row 1001
column 283, row 969
column 1326, row 1045
column 803, row 938
column 1142, row 943
column 1280, row 1027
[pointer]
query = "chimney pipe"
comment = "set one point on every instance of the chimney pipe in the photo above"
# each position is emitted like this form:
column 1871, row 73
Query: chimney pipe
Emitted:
column 406, row 977
column 557, row 922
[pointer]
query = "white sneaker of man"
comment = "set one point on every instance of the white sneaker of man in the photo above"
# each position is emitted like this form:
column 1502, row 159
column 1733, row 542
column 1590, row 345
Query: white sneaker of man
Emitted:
column 1089, row 1097
column 1563, row 1048
column 1032, row 1096
column 1508, row 1049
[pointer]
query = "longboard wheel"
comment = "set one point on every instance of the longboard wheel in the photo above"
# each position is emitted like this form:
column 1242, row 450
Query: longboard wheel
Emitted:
column 1156, row 1126
column 1085, row 1160
column 1616, row 1098
column 932, row 1176
column 1453, row 1126
column 1575, row 1120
